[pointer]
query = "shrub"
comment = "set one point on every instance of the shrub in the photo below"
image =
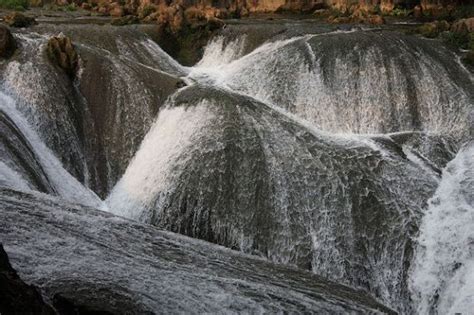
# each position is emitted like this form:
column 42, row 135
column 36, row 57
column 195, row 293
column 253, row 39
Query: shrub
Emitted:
column 19, row 5
column 147, row 10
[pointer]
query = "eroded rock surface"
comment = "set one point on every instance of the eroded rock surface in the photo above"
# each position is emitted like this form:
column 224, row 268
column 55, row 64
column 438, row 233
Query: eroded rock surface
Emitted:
column 89, row 258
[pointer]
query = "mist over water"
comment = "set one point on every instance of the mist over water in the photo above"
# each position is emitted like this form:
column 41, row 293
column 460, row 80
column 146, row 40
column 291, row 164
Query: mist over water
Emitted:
column 345, row 153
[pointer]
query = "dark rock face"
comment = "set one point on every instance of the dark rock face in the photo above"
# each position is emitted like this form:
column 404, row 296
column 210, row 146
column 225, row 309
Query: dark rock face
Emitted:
column 7, row 42
column 19, row 20
column 124, row 267
column 16, row 296
column 62, row 52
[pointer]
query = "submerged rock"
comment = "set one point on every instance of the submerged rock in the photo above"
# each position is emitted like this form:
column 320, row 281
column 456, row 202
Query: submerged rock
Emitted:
column 91, row 260
column 17, row 19
column 7, row 42
column 17, row 297
column 61, row 51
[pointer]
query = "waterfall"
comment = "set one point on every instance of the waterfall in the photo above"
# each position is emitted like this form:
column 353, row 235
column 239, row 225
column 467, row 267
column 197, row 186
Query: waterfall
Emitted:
column 345, row 153
column 359, row 82
column 32, row 156
column 442, row 278
column 265, row 162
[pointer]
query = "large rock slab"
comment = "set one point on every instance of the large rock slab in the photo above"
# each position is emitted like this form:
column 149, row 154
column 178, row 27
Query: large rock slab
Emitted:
column 93, row 260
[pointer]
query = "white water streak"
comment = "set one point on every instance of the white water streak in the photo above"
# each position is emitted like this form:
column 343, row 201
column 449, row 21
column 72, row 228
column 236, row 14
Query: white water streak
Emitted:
column 442, row 279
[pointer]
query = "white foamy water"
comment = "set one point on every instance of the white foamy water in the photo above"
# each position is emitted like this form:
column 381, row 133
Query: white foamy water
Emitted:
column 10, row 178
column 361, row 87
column 442, row 277
column 62, row 182
column 161, row 154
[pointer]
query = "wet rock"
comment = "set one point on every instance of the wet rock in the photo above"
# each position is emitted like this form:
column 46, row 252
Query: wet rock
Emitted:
column 180, row 84
column 17, row 297
column 17, row 19
column 152, row 270
column 62, row 53
column 7, row 42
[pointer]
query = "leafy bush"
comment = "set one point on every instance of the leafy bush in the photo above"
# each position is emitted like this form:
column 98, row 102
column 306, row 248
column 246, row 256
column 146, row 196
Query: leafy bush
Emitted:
column 19, row 5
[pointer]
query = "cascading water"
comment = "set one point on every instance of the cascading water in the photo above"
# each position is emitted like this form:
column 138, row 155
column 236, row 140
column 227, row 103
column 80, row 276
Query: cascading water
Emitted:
column 95, row 123
column 442, row 277
column 28, row 165
column 322, row 151
column 236, row 181
column 363, row 82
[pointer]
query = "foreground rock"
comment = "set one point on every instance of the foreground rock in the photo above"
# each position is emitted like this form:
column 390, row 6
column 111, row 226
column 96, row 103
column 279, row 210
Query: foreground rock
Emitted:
column 17, row 296
column 62, row 52
column 7, row 42
column 88, row 259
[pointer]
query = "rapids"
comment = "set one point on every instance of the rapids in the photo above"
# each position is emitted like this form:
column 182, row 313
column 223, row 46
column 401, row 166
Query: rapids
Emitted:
column 347, row 153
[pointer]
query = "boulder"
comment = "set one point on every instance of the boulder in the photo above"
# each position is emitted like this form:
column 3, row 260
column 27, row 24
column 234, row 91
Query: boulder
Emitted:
column 463, row 25
column 17, row 19
column 7, row 42
column 116, row 10
column 62, row 53
column 17, row 296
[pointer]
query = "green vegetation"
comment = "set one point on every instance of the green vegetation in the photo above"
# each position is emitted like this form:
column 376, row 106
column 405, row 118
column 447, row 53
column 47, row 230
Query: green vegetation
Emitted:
column 70, row 7
column 19, row 5
column 400, row 12
column 463, row 40
column 147, row 10
column 433, row 29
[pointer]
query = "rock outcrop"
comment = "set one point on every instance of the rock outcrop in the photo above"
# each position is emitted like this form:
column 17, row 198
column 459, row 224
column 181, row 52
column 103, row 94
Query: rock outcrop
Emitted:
column 7, row 42
column 19, row 20
column 17, row 297
column 62, row 53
